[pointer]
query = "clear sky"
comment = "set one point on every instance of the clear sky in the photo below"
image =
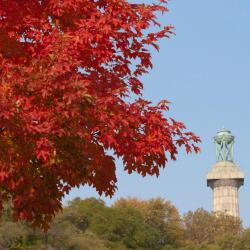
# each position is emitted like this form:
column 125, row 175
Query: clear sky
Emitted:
column 205, row 72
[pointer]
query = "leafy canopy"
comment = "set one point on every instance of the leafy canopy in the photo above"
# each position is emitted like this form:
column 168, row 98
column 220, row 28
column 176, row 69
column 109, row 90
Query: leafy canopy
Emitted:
column 159, row 214
column 68, row 70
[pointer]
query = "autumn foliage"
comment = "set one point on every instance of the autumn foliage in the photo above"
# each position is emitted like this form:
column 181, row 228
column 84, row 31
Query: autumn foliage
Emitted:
column 69, row 70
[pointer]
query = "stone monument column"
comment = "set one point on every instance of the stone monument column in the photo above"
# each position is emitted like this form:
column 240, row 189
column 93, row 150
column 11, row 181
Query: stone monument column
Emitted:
column 226, row 177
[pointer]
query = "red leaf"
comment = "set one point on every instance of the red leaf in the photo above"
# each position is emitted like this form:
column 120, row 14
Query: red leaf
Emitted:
column 68, row 92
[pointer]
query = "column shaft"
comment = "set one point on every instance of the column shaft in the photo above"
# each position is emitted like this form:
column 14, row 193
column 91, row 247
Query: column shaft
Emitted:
column 226, row 199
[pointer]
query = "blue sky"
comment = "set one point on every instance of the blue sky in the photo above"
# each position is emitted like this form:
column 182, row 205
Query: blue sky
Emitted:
column 205, row 72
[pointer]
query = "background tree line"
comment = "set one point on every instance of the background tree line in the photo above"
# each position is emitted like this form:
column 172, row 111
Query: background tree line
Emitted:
column 128, row 224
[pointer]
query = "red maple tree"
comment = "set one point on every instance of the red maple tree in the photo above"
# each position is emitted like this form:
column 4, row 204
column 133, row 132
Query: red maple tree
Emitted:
column 68, row 71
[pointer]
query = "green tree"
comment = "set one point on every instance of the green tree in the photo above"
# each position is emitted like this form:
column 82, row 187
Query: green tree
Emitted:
column 229, row 242
column 119, row 228
column 245, row 240
column 236, row 242
column 17, row 235
column 161, row 215
column 204, row 227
